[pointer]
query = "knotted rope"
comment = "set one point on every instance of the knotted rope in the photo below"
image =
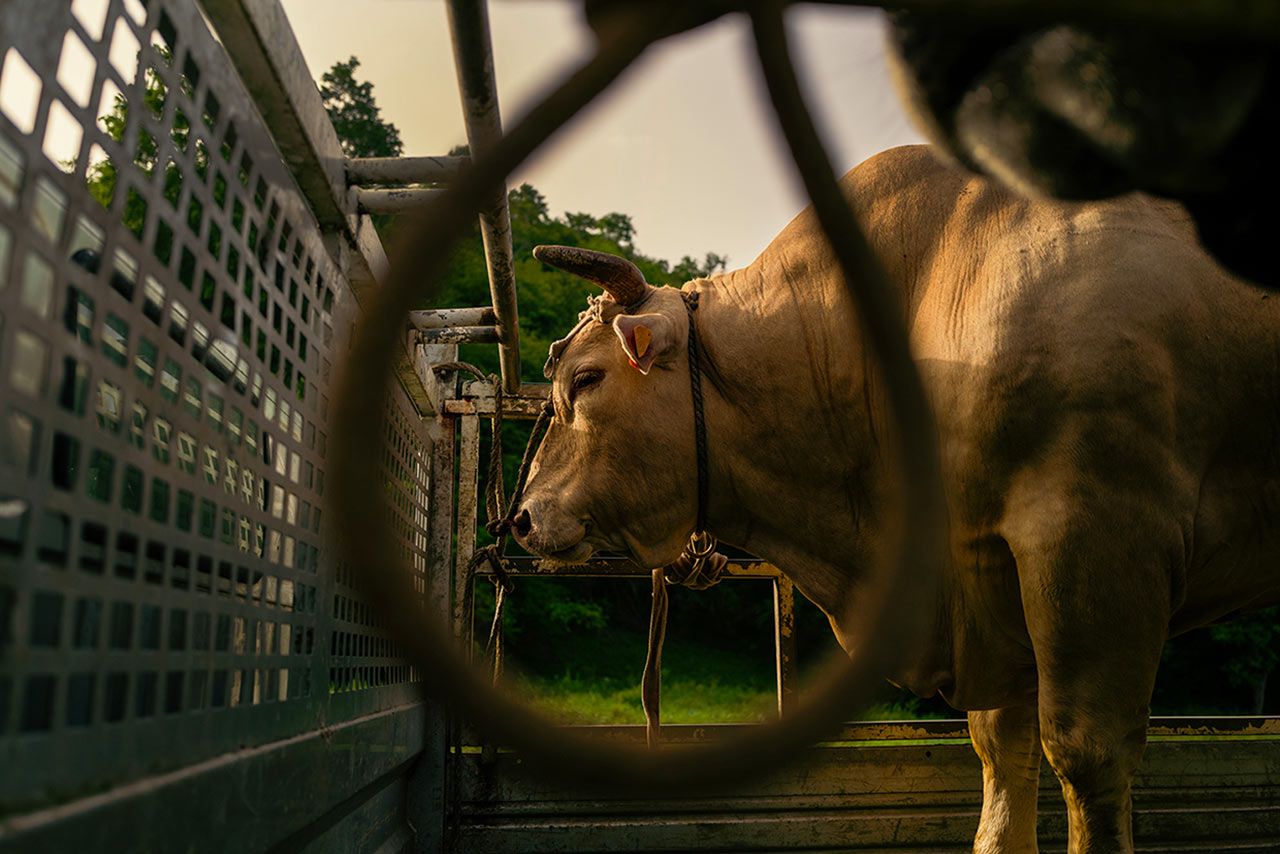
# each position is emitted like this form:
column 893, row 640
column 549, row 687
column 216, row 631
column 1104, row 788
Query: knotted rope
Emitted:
column 699, row 566
column 499, row 515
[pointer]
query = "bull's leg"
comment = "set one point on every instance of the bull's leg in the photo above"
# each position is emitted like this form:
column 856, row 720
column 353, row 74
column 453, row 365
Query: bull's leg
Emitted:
column 1096, row 592
column 1008, row 742
column 1095, row 755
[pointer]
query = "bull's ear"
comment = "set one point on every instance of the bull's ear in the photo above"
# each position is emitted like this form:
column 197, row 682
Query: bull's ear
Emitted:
column 645, row 338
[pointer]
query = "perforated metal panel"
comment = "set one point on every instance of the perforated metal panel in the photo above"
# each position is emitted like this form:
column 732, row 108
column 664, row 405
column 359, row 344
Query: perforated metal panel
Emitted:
column 169, row 323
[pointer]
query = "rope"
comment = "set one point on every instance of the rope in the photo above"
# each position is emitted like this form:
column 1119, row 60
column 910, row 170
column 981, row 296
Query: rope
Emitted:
column 699, row 566
column 467, row 367
column 499, row 520
column 696, row 573
column 651, row 682
column 699, row 420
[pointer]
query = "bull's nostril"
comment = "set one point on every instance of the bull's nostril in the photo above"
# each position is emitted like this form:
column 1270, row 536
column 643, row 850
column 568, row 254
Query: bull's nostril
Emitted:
column 522, row 523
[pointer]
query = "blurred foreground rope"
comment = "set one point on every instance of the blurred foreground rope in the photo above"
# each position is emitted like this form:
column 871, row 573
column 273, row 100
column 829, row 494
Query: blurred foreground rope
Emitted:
column 359, row 406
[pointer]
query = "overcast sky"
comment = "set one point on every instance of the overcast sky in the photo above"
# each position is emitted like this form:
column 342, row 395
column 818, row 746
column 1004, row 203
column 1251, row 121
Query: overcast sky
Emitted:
column 684, row 143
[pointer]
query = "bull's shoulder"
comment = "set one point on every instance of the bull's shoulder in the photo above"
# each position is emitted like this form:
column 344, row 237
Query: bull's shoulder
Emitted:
column 900, row 167
column 910, row 187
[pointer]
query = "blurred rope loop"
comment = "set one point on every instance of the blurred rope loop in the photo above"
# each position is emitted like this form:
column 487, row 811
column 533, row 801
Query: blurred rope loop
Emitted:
column 420, row 257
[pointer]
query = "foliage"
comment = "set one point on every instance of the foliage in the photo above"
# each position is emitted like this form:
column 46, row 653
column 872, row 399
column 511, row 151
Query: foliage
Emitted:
column 355, row 114
column 101, row 176
column 1222, row 670
column 690, row 269
column 550, row 299
column 1252, row 642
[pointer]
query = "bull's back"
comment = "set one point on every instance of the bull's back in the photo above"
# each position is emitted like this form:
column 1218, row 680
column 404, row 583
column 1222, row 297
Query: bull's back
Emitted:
column 1030, row 318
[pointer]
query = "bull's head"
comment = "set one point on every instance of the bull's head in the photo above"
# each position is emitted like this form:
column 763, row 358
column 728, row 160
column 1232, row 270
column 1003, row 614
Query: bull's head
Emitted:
column 615, row 470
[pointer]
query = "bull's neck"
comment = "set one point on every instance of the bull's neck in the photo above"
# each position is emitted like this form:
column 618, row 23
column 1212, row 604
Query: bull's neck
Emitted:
column 795, row 450
column 796, row 423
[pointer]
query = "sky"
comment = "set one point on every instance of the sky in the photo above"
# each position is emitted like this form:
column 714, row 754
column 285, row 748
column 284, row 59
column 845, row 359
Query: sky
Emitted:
column 684, row 143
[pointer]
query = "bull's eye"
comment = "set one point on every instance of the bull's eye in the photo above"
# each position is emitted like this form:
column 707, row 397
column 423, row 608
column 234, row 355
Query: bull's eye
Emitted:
column 584, row 380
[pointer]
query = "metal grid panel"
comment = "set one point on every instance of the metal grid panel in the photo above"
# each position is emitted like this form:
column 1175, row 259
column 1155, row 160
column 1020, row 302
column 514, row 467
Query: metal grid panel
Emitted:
column 169, row 319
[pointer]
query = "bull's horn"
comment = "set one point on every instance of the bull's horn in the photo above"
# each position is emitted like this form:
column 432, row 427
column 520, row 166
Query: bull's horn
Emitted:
column 622, row 279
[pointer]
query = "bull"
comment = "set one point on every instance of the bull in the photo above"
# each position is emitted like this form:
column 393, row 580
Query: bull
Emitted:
column 1107, row 406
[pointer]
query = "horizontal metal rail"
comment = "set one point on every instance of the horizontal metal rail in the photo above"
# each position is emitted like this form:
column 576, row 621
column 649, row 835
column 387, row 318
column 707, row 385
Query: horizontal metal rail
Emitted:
column 478, row 399
column 461, row 335
column 620, row 567
column 204, row 801
column 404, row 170
column 1162, row 727
column 445, row 317
column 396, row 200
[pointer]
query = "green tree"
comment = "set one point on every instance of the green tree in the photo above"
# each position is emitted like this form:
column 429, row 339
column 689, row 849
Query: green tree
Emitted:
column 101, row 176
column 1251, row 647
column 355, row 114
column 527, row 204
column 583, row 222
column 690, row 269
column 618, row 228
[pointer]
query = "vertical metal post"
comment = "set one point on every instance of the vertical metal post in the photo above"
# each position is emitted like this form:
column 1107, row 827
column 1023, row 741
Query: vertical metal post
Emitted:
column 473, row 56
column 468, row 478
column 784, row 635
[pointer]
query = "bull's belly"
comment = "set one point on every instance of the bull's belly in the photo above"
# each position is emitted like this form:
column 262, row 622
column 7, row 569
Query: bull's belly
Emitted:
column 1234, row 565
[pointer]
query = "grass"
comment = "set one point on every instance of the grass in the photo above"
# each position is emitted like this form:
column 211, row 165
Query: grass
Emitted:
column 588, row 674
column 570, row 700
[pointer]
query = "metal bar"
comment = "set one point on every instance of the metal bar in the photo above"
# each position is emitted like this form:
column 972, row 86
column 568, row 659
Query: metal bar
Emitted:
column 404, row 170
column 784, row 644
column 461, row 335
column 947, row 728
column 444, row 317
column 468, row 499
column 398, row 200
column 478, row 399
column 620, row 567
column 261, row 43
column 1161, row 727
column 441, row 528
column 1218, row 727
column 473, row 56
